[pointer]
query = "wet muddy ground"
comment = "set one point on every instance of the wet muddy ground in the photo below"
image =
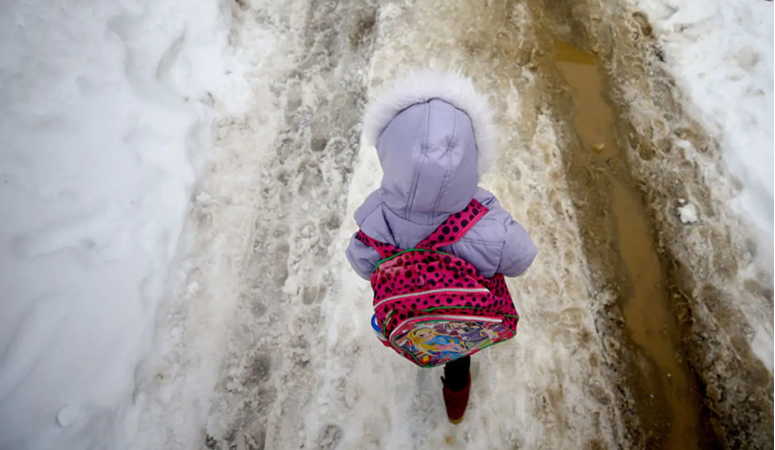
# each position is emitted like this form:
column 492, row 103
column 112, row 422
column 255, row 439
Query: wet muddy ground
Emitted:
column 631, row 234
column 636, row 327
column 667, row 403
column 672, row 285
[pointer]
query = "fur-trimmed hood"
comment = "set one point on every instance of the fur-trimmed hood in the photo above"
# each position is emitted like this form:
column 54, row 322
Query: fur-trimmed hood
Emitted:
column 434, row 136
column 420, row 87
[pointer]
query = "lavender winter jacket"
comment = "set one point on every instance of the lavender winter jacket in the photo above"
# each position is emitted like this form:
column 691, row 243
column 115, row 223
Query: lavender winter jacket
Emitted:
column 433, row 135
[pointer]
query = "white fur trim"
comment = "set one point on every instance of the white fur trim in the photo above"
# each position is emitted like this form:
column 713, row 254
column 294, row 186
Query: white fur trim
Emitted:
column 455, row 89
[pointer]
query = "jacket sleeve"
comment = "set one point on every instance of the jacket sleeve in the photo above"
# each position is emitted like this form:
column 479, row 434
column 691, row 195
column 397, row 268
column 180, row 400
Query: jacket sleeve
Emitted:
column 518, row 250
column 363, row 258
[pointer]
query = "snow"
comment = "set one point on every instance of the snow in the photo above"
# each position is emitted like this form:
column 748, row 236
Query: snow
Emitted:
column 377, row 399
column 721, row 55
column 127, row 214
column 106, row 110
column 688, row 214
column 267, row 341
column 761, row 346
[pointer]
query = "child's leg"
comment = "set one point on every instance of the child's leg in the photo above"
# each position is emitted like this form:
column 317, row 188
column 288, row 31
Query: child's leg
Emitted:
column 457, row 383
column 456, row 374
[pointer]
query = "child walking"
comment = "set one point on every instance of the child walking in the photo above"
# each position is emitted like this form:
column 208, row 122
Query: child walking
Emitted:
column 434, row 244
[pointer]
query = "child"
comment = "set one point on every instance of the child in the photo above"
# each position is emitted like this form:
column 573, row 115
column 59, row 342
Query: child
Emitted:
column 434, row 135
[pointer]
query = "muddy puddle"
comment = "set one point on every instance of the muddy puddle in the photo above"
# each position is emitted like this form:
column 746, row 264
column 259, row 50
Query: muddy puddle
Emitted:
column 665, row 395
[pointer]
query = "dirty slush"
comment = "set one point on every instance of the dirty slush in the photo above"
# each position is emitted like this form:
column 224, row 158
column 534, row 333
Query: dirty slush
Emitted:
column 630, row 337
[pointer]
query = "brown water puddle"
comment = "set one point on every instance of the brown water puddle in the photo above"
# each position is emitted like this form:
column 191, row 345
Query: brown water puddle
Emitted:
column 672, row 404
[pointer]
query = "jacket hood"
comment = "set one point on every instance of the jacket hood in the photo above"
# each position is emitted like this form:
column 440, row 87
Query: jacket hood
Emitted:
column 434, row 135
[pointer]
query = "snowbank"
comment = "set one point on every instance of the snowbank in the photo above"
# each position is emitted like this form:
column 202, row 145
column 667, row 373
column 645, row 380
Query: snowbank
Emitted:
column 721, row 55
column 105, row 114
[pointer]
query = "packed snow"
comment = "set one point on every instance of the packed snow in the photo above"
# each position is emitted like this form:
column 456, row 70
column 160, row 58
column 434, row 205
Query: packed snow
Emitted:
column 299, row 364
column 105, row 124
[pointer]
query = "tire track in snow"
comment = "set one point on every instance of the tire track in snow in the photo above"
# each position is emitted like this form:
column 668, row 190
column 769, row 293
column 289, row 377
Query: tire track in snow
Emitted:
column 233, row 340
column 662, row 405
column 720, row 296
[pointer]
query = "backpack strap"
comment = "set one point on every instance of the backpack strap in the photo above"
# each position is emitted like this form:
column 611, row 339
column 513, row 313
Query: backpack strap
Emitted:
column 384, row 250
column 455, row 227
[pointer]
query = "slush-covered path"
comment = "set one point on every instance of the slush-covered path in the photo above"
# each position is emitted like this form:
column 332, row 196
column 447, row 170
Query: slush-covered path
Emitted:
column 266, row 343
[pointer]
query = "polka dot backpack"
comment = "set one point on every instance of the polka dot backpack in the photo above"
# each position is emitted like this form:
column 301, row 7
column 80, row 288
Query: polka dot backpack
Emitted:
column 433, row 307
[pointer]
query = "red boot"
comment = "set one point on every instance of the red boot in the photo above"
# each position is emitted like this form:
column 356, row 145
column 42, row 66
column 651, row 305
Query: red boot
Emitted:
column 456, row 402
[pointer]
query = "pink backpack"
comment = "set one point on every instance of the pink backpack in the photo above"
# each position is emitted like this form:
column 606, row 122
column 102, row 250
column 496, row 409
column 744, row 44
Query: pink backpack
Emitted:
column 433, row 307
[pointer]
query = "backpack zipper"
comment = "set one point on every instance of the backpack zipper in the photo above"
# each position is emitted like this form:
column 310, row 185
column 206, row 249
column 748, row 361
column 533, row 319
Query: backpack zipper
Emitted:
column 433, row 291
column 444, row 317
column 411, row 250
